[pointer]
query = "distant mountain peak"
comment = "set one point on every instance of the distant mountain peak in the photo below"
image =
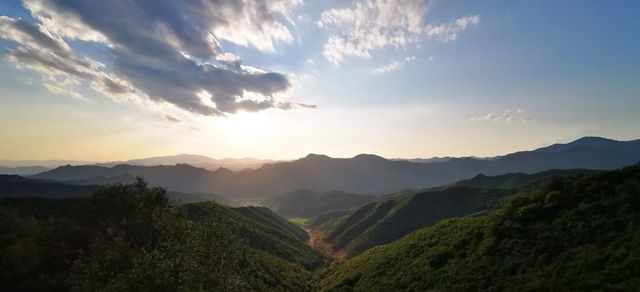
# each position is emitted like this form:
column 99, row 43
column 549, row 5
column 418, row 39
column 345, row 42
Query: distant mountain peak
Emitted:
column 369, row 157
column 587, row 141
column 592, row 139
column 316, row 156
column 223, row 170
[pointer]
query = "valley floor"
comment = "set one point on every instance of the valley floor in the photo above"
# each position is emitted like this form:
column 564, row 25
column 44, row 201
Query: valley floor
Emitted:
column 316, row 241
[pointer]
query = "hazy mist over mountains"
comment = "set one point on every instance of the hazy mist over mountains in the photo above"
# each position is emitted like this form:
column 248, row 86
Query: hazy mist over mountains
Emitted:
column 363, row 174
column 30, row 167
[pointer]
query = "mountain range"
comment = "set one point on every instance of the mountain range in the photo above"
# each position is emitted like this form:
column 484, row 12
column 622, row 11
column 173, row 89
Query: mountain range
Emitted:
column 31, row 167
column 571, row 229
column 194, row 160
column 363, row 174
column 22, row 170
column 14, row 186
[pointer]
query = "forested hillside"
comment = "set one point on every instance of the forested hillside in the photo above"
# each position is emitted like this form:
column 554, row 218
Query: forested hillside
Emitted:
column 385, row 221
column 565, row 234
column 309, row 204
column 131, row 237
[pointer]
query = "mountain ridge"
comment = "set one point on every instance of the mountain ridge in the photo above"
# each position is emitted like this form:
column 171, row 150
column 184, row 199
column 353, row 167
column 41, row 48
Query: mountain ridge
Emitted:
column 362, row 174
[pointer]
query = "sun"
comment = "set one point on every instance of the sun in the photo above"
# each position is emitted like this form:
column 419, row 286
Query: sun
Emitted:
column 246, row 126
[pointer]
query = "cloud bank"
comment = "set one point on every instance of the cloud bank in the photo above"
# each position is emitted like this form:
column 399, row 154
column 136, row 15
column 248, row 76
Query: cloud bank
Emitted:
column 165, row 50
column 377, row 24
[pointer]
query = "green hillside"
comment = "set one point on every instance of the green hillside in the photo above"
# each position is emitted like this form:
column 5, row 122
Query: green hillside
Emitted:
column 133, row 238
column 268, row 218
column 565, row 234
column 309, row 204
column 385, row 221
column 326, row 218
column 514, row 180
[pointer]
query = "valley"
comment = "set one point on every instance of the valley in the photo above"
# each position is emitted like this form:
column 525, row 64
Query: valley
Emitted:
column 316, row 240
column 490, row 232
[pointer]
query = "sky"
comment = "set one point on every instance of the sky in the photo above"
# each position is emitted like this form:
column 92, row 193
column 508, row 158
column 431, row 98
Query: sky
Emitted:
column 115, row 80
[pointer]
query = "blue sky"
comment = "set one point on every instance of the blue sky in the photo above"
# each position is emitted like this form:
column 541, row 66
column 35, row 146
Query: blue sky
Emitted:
column 397, row 78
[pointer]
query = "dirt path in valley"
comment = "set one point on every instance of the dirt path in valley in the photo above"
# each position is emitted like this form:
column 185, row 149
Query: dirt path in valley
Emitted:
column 315, row 241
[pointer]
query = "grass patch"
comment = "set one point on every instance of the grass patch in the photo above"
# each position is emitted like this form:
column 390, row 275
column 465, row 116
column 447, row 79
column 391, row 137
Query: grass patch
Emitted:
column 299, row 220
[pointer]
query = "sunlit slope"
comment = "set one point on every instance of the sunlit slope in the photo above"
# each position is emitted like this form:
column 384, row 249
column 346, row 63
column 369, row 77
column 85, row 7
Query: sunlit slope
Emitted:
column 573, row 233
column 385, row 221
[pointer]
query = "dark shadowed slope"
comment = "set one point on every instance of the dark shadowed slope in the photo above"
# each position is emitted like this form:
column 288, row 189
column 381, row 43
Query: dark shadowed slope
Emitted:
column 566, row 234
column 270, row 219
column 13, row 186
column 23, row 170
column 308, row 204
column 132, row 238
column 363, row 173
column 17, row 186
column 257, row 233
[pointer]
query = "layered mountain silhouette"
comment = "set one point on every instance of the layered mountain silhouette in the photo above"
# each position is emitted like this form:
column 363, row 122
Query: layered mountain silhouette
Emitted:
column 363, row 173
column 14, row 186
column 194, row 160
column 22, row 170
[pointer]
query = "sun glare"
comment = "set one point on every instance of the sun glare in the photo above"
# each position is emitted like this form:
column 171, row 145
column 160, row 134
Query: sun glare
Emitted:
column 246, row 126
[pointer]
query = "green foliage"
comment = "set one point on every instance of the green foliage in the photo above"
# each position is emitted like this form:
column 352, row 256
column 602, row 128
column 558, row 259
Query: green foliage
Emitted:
column 299, row 220
column 326, row 218
column 256, row 235
column 573, row 233
column 268, row 218
column 309, row 204
column 385, row 221
column 133, row 238
column 515, row 180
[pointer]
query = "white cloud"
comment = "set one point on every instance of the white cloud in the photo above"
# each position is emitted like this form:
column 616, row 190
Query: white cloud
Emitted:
column 377, row 24
column 61, row 91
column 167, row 51
column 392, row 66
column 386, row 68
column 252, row 22
column 449, row 31
column 509, row 116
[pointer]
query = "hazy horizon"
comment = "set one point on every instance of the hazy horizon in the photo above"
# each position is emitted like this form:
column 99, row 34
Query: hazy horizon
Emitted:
column 3, row 161
column 408, row 79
